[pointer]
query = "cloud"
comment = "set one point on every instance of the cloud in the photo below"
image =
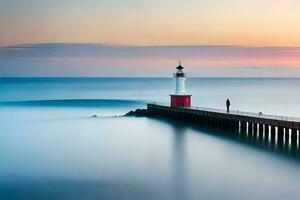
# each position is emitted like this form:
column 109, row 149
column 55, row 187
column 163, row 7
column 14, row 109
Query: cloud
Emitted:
column 68, row 59
column 62, row 50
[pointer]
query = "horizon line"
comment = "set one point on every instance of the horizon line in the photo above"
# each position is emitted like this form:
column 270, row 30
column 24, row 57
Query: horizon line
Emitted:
column 292, row 77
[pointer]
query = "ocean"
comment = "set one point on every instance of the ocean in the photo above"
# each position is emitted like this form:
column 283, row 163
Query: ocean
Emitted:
column 52, row 148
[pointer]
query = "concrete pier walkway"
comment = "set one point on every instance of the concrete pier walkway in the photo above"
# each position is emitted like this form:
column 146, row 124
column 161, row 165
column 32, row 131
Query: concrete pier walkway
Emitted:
column 282, row 129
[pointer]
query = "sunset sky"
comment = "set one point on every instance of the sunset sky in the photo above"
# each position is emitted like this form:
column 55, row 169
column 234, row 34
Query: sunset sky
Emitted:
column 269, row 27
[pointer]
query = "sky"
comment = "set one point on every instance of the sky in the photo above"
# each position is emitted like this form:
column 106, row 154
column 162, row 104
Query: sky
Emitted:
column 262, row 37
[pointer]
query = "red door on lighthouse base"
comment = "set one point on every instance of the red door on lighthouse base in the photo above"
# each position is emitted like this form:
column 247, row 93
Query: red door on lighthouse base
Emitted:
column 180, row 100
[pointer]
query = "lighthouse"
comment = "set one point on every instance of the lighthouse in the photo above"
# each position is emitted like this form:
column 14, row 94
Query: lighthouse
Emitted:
column 180, row 98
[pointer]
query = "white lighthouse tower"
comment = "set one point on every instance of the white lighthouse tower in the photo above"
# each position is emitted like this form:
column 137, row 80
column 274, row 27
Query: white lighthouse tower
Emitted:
column 180, row 80
column 180, row 98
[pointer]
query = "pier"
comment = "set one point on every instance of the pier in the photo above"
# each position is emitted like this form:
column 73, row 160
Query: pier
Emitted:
column 275, row 129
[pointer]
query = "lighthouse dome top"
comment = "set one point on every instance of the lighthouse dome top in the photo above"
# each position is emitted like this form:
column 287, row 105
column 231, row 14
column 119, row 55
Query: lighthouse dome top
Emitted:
column 179, row 66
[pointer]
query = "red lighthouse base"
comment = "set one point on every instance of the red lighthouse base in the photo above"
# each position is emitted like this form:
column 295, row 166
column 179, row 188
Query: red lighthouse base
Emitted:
column 180, row 100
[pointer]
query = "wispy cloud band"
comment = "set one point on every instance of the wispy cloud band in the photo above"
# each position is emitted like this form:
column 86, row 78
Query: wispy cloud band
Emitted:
column 100, row 59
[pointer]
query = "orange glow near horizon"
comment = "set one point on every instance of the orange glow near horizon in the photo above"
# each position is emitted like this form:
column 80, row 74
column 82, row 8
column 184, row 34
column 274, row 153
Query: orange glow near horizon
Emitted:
column 217, row 22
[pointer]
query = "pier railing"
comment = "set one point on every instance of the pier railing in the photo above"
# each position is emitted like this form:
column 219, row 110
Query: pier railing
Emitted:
column 239, row 113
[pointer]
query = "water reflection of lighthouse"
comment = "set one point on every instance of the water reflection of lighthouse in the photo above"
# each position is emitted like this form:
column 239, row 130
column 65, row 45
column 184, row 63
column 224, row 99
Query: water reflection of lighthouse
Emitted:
column 180, row 98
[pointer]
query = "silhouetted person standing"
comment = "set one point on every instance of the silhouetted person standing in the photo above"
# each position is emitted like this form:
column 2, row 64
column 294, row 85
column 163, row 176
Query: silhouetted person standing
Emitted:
column 227, row 105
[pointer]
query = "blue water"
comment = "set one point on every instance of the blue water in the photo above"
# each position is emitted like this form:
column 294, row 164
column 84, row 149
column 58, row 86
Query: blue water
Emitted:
column 51, row 147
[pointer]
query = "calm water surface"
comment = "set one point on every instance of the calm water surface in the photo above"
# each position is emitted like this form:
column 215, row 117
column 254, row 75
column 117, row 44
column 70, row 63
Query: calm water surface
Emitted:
column 50, row 147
